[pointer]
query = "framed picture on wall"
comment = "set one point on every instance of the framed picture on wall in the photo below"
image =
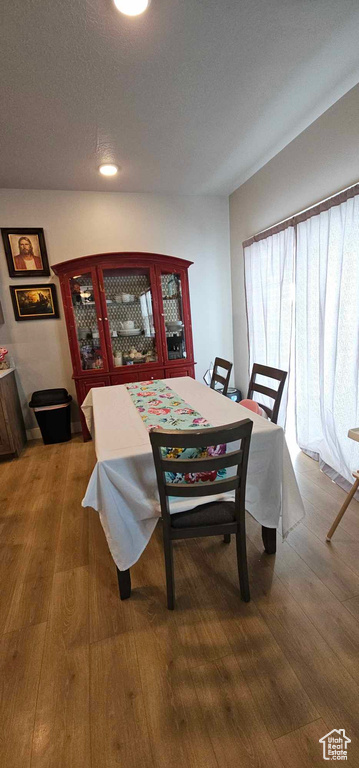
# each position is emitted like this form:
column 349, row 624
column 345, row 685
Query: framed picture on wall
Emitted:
column 34, row 302
column 25, row 252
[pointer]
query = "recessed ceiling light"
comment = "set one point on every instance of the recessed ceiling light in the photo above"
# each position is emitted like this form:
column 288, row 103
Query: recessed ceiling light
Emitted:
column 132, row 7
column 108, row 170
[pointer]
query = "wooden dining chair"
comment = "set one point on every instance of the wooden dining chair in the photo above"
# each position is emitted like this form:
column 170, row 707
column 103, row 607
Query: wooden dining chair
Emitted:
column 275, row 394
column 210, row 519
column 217, row 378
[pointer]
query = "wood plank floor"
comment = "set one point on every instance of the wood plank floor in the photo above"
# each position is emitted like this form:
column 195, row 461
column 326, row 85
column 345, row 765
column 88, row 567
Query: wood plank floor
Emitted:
column 90, row 682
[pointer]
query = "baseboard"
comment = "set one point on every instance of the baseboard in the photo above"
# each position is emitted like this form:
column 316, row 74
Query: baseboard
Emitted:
column 35, row 434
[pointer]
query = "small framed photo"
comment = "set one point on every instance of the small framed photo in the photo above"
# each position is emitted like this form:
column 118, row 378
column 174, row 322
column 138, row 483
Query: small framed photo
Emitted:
column 35, row 302
column 25, row 252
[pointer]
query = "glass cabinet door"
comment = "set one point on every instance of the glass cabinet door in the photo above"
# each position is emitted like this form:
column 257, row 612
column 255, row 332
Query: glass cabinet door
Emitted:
column 85, row 309
column 171, row 287
column 130, row 321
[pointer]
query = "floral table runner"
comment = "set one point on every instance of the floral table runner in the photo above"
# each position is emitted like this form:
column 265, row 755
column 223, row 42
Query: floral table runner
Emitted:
column 160, row 406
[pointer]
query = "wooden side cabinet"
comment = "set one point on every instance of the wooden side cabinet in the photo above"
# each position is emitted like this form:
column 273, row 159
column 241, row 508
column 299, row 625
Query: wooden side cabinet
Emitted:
column 12, row 428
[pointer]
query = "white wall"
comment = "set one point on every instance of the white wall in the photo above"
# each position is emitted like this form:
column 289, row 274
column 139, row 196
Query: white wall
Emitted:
column 81, row 223
column 319, row 162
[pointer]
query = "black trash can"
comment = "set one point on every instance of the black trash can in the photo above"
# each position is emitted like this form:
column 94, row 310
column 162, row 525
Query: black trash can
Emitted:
column 52, row 408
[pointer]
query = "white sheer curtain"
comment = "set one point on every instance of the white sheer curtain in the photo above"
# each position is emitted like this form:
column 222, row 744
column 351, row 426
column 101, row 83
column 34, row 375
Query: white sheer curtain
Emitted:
column 327, row 336
column 269, row 280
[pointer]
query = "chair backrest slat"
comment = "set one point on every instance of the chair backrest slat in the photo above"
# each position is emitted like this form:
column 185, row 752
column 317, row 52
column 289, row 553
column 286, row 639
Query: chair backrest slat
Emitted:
column 217, row 378
column 265, row 390
column 204, row 464
column 203, row 488
column 220, row 379
column 276, row 395
column 195, row 438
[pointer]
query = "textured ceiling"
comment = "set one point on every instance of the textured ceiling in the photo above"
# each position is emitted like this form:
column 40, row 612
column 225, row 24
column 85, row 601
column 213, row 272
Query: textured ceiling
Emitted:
column 192, row 97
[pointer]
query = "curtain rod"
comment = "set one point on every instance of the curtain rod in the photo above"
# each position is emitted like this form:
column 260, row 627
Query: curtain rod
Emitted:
column 314, row 210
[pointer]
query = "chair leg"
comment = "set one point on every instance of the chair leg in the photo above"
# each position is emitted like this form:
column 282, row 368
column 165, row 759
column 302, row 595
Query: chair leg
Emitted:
column 242, row 563
column 170, row 582
column 227, row 538
column 343, row 507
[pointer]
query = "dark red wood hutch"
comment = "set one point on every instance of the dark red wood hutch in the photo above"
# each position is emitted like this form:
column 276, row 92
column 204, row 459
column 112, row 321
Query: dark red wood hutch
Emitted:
column 128, row 318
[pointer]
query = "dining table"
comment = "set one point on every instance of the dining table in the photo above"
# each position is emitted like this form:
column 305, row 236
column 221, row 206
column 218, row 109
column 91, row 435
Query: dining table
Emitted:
column 123, row 487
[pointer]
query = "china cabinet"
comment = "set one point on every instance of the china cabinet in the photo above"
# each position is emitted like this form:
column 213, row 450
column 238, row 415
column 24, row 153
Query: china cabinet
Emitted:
column 128, row 319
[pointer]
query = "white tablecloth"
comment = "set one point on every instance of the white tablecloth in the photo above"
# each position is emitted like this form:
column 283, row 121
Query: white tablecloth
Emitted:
column 123, row 487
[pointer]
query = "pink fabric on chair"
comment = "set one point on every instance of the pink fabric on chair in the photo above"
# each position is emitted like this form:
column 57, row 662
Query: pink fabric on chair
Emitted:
column 253, row 406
